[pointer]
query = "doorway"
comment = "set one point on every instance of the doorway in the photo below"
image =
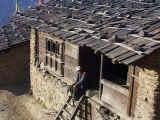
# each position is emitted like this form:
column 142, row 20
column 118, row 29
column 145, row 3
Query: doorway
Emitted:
column 90, row 63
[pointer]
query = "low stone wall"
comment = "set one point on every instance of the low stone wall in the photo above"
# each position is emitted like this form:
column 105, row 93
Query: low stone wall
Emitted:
column 48, row 89
column 14, row 65
column 148, row 97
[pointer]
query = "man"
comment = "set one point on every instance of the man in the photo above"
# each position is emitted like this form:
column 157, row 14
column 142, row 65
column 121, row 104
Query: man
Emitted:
column 79, row 85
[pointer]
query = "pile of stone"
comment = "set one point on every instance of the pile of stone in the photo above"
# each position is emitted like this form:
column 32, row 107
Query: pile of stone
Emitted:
column 106, row 114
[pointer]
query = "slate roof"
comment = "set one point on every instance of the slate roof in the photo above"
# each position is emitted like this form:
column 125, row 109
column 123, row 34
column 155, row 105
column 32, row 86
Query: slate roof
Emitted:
column 123, row 30
column 13, row 34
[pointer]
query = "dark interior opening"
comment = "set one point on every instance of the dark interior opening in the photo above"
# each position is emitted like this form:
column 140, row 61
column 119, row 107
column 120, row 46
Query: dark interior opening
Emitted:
column 90, row 63
column 117, row 73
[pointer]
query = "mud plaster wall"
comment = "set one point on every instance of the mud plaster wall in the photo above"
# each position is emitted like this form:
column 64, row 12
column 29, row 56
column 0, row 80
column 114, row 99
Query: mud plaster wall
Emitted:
column 148, row 97
column 46, row 88
column 14, row 65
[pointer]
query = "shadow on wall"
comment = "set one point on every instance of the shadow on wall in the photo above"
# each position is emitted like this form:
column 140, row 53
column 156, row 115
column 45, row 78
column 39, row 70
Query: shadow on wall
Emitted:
column 18, row 89
column 14, row 69
column 157, row 99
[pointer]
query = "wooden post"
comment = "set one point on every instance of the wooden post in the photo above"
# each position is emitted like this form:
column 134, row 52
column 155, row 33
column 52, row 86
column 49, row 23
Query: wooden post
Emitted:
column 101, row 75
column 17, row 6
column 133, row 78
column 131, row 81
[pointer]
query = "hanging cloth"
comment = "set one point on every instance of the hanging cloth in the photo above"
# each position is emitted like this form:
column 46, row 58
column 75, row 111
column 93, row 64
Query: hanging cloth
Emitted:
column 40, row 1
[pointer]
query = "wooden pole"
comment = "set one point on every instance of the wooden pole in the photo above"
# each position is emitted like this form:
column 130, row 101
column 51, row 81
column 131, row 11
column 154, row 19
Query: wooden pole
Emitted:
column 17, row 6
column 101, row 76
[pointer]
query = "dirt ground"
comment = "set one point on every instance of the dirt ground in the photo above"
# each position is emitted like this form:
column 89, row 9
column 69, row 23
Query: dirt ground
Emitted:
column 17, row 104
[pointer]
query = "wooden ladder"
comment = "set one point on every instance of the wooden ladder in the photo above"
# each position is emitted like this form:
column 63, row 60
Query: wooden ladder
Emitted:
column 65, row 114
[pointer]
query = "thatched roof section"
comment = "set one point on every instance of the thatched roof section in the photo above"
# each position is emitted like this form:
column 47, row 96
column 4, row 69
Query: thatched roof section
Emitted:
column 124, row 31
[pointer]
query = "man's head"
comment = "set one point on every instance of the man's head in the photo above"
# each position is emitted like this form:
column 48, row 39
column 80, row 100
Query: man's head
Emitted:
column 78, row 68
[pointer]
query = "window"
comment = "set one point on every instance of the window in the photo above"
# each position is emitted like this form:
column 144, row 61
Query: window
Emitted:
column 48, row 45
column 51, row 63
column 46, row 60
column 53, row 47
column 56, row 65
column 57, row 47
column 117, row 73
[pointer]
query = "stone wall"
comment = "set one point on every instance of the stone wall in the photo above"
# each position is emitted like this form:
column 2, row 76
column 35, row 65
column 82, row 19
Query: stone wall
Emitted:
column 148, row 95
column 46, row 88
column 14, row 65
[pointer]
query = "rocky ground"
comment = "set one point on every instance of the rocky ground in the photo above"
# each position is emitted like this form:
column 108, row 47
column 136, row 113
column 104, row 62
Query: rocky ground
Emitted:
column 16, row 104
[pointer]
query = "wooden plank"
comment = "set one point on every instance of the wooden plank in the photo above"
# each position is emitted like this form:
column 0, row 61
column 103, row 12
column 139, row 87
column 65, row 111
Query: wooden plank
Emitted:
column 129, row 48
column 74, row 37
column 101, row 76
column 153, row 27
column 115, row 96
column 156, row 31
column 153, row 49
column 135, row 90
column 92, row 43
column 157, row 37
column 79, row 40
column 117, row 52
column 113, row 51
column 88, row 41
column 146, row 38
column 125, row 56
column 95, row 46
column 132, row 70
column 99, row 45
column 110, row 48
column 67, row 35
column 102, row 47
column 58, row 33
column 115, row 86
column 132, row 59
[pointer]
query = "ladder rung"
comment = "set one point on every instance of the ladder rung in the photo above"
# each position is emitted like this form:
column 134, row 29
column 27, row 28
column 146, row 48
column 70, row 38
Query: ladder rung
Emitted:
column 76, row 108
column 61, row 111
column 61, row 117
column 69, row 114
column 70, row 105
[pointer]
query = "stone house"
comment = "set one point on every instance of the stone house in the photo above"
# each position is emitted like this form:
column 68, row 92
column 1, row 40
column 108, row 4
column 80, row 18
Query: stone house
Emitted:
column 118, row 48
